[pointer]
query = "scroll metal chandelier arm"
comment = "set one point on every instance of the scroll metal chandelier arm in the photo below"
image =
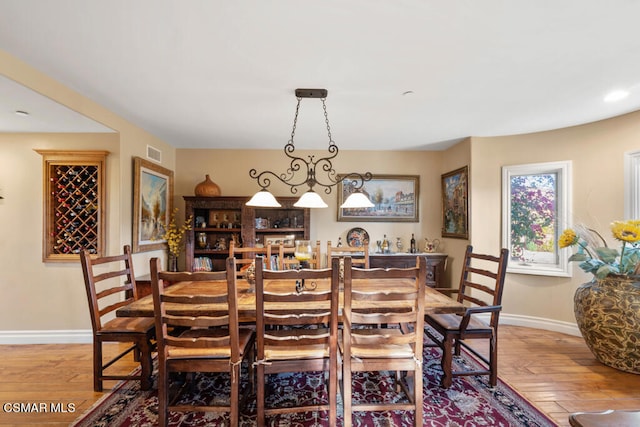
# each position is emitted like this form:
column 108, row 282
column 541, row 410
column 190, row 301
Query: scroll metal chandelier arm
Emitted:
column 302, row 172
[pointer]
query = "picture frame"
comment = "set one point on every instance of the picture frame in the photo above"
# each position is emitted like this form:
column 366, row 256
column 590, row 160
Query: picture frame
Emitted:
column 152, row 204
column 455, row 203
column 287, row 240
column 396, row 199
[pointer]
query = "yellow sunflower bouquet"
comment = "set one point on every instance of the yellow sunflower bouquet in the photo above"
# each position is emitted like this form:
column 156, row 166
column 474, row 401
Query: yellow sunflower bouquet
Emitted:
column 597, row 258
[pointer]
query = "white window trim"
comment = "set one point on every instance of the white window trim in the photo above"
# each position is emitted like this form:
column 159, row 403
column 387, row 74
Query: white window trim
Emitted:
column 632, row 185
column 563, row 203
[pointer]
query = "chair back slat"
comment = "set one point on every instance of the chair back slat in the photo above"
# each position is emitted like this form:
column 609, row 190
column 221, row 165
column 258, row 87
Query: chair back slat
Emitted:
column 200, row 343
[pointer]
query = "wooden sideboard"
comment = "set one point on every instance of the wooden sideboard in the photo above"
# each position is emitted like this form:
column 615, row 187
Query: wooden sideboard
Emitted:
column 437, row 263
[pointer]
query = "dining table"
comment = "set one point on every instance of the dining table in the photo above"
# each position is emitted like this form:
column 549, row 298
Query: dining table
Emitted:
column 434, row 301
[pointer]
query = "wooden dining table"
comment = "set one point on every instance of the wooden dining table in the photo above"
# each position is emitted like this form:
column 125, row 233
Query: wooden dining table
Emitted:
column 435, row 302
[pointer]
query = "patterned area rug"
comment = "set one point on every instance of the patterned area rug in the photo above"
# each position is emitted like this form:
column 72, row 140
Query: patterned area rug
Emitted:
column 468, row 402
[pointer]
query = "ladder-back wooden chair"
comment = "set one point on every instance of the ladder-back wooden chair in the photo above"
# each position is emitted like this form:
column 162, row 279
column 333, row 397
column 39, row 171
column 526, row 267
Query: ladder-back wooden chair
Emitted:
column 396, row 296
column 246, row 256
column 359, row 254
column 209, row 342
column 110, row 284
column 481, row 286
column 297, row 331
column 287, row 260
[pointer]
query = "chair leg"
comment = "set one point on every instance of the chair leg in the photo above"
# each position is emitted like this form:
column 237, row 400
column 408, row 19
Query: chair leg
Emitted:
column 97, row 364
column 143, row 347
column 235, row 395
column 346, row 394
column 260, row 395
column 333, row 392
column 493, row 360
column 417, row 394
column 163, row 395
column 447, row 360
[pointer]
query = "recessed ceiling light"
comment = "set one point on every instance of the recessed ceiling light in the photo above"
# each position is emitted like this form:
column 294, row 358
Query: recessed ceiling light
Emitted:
column 616, row 95
column 21, row 113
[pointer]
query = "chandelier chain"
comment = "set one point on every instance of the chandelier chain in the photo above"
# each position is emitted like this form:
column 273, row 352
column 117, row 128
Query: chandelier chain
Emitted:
column 295, row 120
column 326, row 120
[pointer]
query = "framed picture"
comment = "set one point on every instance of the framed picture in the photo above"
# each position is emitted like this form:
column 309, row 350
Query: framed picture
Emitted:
column 287, row 240
column 395, row 199
column 152, row 204
column 455, row 203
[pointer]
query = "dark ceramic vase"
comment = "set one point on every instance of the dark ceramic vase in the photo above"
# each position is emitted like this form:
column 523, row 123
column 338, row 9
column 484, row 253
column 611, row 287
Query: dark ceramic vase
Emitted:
column 608, row 315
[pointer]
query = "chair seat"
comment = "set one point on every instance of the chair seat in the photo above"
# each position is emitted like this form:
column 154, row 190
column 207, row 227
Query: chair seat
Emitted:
column 222, row 352
column 381, row 350
column 451, row 322
column 128, row 325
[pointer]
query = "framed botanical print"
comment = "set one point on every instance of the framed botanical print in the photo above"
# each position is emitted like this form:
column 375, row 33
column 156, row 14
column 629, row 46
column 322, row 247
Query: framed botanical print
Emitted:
column 455, row 203
column 152, row 204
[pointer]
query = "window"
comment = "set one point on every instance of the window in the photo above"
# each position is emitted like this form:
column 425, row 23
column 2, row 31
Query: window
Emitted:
column 535, row 211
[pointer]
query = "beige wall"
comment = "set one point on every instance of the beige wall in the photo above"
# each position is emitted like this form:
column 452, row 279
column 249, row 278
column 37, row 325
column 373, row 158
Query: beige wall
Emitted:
column 37, row 296
column 597, row 152
column 230, row 170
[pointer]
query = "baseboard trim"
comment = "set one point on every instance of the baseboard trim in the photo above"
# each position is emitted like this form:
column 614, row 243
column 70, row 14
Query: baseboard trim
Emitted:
column 540, row 323
column 71, row 336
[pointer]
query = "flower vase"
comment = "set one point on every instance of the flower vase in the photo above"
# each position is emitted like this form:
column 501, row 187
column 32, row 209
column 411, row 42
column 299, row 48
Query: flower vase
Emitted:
column 608, row 315
column 173, row 262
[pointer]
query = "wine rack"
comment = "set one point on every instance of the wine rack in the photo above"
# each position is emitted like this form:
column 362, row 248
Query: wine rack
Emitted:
column 74, row 203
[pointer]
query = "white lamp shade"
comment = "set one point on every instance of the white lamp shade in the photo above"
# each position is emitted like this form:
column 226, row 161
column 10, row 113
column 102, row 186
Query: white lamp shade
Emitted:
column 357, row 200
column 310, row 199
column 263, row 199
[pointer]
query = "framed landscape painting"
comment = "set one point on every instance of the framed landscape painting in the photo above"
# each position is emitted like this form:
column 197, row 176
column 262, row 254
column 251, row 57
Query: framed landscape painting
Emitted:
column 152, row 203
column 455, row 203
column 395, row 199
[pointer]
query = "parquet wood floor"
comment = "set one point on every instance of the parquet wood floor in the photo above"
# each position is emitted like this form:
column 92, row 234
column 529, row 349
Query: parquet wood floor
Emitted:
column 554, row 371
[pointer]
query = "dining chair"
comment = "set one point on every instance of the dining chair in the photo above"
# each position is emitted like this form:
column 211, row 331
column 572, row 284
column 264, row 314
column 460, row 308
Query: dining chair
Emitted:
column 245, row 256
column 359, row 254
column 481, row 287
column 287, row 260
column 110, row 284
column 191, row 343
column 297, row 331
column 398, row 299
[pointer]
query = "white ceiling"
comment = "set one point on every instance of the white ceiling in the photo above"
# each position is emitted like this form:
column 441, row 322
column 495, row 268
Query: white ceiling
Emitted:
column 222, row 74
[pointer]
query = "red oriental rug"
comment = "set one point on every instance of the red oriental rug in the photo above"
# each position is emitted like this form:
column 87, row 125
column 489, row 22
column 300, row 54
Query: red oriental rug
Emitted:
column 469, row 402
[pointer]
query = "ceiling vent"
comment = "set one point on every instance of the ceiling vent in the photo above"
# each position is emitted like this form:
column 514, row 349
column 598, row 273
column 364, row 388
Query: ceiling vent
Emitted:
column 154, row 154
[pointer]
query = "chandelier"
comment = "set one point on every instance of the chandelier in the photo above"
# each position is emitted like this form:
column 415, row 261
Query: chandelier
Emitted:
column 310, row 174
